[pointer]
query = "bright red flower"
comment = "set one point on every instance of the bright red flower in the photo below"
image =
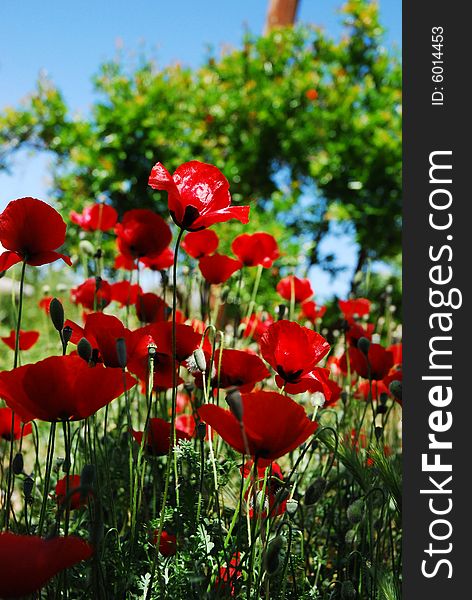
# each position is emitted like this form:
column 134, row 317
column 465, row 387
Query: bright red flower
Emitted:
column 186, row 339
column 162, row 261
column 356, row 307
column 142, row 233
column 93, row 294
column 44, row 304
column 225, row 580
column 378, row 387
column 377, row 364
column 311, row 94
column 28, row 562
column 240, row 369
column 27, row 339
column 167, row 544
column 61, row 388
column 256, row 326
column 151, row 309
column 31, row 231
column 257, row 249
column 397, row 351
column 5, row 425
column 293, row 352
column 200, row 243
column 98, row 217
column 218, row 268
column 355, row 331
column 158, row 437
column 125, row 293
column 301, row 288
column 311, row 311
column 274, row 483
column 76, row 499
column 274, row 424
column 198, row 195
column 335, row 393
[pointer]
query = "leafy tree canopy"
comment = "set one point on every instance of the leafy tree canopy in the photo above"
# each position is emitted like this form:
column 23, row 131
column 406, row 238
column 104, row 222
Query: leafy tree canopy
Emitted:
column 306, row 127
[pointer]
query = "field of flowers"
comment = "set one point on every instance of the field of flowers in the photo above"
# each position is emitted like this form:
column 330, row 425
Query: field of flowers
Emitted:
column 193, row 441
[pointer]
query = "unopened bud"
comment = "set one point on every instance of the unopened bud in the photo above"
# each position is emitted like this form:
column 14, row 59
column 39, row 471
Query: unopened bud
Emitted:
column 66, row 334
column 383, row 398
column 86, row 248
column 121, row 352
column 200, row 360
column 272, row 558
column 395, row 388
column 281, row 311
column 201, row 430
column 348, row 591
column 17, row 464
column 355, row 511
column 235, row 403
column 292, row 506
column 315, row 490
column 56, row 311
column 381, row 409
column 84, row 349
column 378, row 433
column 87, row 476
column 363, row 344
column 350, row 536
column 28, row 485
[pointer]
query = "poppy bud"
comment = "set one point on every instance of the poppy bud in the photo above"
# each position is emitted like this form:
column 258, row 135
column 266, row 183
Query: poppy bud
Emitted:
column 58, row 464
column 281, row 311
column 355, row 511
column 383, row 398
column 200, row 360
column 235, row 403
column 66, row 334
column 315, row 490
column 84, row 349
column 17, row 464
column 395, row 388
column 98, row 254
column 363, row 344
column 28, row 485
column 86, row 248
column 347, row 591
column 350, row 536
column 292, row 506
column 378, row 433
column 201, row 430
column 381, row 410
column 121, row 352
column 56, row 311
column 87, row 476
column 272, row 557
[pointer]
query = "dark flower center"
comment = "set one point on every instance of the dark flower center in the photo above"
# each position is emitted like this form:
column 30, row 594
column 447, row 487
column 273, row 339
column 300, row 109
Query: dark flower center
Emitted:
column 289, row 377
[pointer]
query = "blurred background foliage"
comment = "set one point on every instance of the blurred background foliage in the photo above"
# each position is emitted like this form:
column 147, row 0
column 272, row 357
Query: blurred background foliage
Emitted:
column 306, row 128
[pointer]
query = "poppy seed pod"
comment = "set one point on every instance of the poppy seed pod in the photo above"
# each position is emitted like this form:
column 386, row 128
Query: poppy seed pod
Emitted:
column 292, row 506
column 200, row 360
column 121, row 352
column 395, row 388
column 355, row 511
column 235, row 403
column 56, row 311
column 201, row 430
column 347, row 591
column 86, row 248
column 272, row 556
column 315, row 490
column 84, row 349
column 66, row 334
column 17, row 465
column 28, row 485
column 363, row 344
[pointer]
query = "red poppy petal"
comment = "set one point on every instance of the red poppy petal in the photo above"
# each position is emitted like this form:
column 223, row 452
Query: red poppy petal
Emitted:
column 8, row 259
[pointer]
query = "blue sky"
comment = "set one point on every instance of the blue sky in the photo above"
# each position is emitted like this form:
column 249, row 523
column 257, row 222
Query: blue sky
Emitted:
column 68, row 40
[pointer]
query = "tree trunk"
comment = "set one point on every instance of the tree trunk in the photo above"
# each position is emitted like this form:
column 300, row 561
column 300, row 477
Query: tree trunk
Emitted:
column 281, row 13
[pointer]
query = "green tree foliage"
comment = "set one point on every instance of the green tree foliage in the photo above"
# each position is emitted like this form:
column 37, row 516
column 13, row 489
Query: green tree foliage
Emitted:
column 307, row 127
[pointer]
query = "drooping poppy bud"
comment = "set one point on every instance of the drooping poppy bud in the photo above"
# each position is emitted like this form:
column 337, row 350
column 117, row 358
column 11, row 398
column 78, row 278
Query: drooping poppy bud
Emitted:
column 363, row 344
column 121, row 352
column 84, row 349
column 235, row 403
column 315, row 490
column 348, row 591
column 28, row 485
column 56, row 311
column 272, row 556
column 17, row 465
column 200, row 360
column 395, row 388
column 355, row 511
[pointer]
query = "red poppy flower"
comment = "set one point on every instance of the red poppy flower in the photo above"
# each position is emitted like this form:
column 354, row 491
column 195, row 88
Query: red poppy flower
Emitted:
column 44, row 304
column 200, row 243
column 225, row 580
column 378, row 387
column 76, row 499
column 377, row 364
column 98, row 217
column 257, row 249
column 293, row 352
column 335, row 390
column 274, row 424
column 142, row 233
column 311, row 94
column 158, row 437
column 239, row 368
column 150, row 308
column 27, row 339
column 186, row 339
column 167, row 544
column 5, row 425
column 61, row 388
column 274, row 482
column 125, row 293
column 397, row 351
column 198, row 195
column 357, row 307
column 301, row 288
column 93, row 294
column 28, row 562
column 256, row 326
column 162, row 261
column 355, row 331
column 395, row 374
column 311, row 311
column 218, row 268
column 31, row 231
